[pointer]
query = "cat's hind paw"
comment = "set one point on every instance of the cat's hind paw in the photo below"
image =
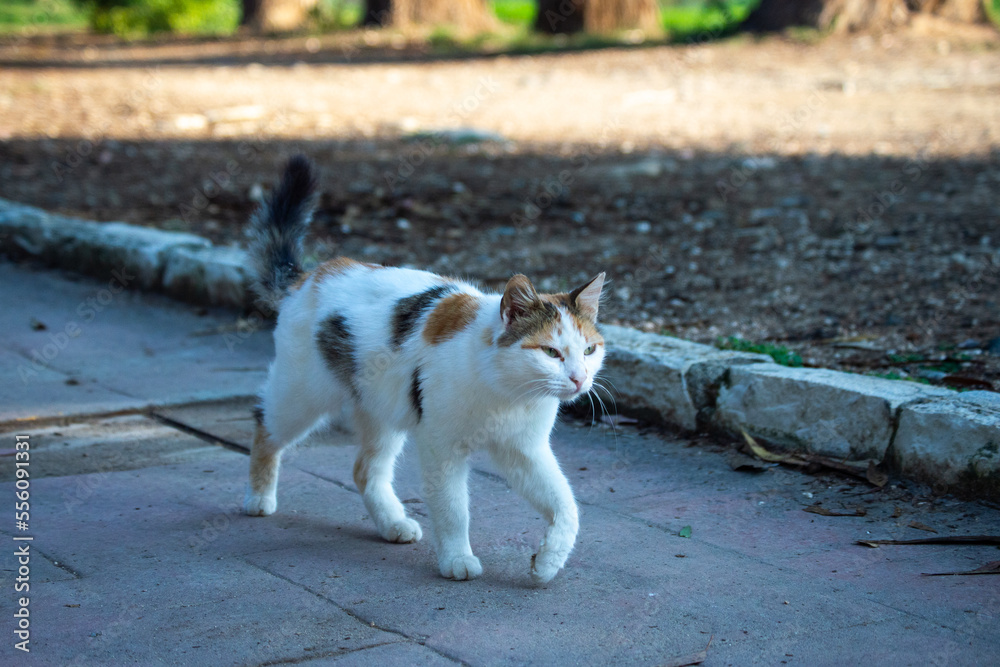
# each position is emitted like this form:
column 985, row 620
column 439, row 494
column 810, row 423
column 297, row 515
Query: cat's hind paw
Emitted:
column 461, row 568
column 403, row 532
column 544, row 567
column 259, row 505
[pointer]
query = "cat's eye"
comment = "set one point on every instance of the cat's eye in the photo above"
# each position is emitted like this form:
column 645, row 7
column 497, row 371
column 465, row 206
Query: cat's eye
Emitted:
column 552, row 352
column 590, row 350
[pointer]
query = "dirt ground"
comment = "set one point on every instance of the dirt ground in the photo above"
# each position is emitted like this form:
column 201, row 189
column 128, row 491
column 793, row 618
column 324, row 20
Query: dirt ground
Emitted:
column 840, row 198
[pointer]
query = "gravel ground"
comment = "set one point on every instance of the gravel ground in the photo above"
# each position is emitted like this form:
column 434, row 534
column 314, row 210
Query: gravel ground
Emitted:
column 837, row 198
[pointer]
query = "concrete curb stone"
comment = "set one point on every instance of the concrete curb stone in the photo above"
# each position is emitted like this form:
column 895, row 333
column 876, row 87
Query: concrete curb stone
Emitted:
column 936, row 435
column 218, row 276
column 663, row 378
column 827, row 412
column 953, row 443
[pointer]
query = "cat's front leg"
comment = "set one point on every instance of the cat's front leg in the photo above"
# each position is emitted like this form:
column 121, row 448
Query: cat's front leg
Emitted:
column 536, row 476
column 446, row 493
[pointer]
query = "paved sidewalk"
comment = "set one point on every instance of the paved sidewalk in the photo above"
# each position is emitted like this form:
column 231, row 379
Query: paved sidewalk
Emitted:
column 140, row 555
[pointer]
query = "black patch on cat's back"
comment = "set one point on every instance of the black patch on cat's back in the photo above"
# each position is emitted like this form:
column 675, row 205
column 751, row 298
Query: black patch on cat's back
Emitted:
column 407, row 311
column 337, row 347
column 417, row 394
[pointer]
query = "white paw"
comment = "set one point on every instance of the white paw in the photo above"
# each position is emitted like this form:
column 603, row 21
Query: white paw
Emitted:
column 255, row 505
column 403, row 532
column 460, row 568
column 544, row 566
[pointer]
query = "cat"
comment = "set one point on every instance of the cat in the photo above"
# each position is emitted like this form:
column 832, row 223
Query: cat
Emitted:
column 416, row 354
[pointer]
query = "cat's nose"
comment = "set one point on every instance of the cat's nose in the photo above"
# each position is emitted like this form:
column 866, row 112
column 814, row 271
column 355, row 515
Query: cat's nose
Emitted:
column 578, row 381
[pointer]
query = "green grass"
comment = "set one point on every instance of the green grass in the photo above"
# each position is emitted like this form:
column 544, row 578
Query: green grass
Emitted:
column 514, row 12
column 331, row 15
column 781, row 354
column 25, row 16
column 687, row 20
column 992, row 8
column 896, row 375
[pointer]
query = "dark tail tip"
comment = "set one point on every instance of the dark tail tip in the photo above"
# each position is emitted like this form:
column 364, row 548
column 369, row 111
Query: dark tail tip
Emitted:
column 296, row 191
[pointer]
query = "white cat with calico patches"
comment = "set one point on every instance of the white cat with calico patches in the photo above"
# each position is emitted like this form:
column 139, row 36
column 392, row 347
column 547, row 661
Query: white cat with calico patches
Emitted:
column 422, row 356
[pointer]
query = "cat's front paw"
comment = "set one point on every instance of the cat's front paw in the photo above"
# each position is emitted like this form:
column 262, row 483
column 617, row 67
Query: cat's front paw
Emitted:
column 544, row 566
column 460, row 568
column 259, row 505
column 403, row 532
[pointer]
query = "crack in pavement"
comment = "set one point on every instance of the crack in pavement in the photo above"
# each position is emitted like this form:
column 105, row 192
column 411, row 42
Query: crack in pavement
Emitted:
column 358, row 617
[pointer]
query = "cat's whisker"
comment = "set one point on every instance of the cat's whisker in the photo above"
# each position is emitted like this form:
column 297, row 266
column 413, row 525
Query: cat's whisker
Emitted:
column 593, row 411
column 611, row 396
column 606, row 379
column 604, row 409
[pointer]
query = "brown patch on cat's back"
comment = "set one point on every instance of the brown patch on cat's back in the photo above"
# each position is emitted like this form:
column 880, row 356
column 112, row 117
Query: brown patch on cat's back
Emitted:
column 451, row 315
column 330, row 268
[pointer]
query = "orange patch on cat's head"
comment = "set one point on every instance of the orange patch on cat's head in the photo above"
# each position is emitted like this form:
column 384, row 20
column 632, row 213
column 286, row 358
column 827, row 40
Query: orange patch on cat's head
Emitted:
column 578, row 319
column 451, row 315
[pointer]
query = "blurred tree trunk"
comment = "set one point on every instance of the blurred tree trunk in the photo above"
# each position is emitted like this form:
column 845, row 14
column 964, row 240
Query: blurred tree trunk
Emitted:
column 597, row 16
column 473, row 15
column 275, row 15
column 965, row 11
column 850, row 15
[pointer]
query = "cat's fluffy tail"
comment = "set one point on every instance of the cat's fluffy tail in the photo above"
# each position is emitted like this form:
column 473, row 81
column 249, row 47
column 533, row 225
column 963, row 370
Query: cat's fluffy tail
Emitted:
column 277, row 229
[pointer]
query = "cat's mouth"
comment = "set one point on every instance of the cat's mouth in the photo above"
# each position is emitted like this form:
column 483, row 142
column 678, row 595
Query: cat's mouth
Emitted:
column 571, row 393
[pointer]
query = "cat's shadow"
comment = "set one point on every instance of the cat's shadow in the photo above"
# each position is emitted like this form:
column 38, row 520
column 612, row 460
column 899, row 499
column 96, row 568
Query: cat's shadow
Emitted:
column 357, row 548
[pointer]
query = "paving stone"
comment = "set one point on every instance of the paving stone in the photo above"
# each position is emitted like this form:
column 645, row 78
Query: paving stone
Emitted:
column 166, row 567
column 106, row 445
column 821, row 411
column 403, row 654
column 864, row 643
column 29, row 392
column 125, row 351
column 953, row 443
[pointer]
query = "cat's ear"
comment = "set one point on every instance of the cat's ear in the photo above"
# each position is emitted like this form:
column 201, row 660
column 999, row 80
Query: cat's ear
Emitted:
column 587, row 297
column 519, row 297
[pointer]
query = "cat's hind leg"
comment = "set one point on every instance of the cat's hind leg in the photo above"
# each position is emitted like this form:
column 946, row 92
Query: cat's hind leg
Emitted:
column 265, row 459
column 373, row 475
column 283, row 418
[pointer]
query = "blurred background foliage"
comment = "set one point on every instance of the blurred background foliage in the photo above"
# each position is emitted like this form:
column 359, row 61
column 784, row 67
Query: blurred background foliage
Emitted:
column 138, row 18
column 515, row 19
column 130, row 18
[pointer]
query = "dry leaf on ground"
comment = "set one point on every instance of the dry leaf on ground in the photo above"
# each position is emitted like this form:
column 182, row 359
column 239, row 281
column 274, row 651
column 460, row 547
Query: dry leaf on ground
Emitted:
column 817, row 509
column 740, row 461
column 993, row 567
column 977, row 540
column 692, row 659
column 921, row 526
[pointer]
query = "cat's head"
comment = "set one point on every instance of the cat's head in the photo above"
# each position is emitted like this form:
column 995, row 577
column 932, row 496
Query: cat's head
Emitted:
column 550, row 345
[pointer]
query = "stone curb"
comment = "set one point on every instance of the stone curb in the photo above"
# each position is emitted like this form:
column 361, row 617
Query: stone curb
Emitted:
column 941, row 437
